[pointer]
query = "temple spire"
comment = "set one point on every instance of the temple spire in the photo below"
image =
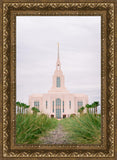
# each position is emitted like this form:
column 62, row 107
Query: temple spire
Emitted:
column 58, row 65
column 58, row 50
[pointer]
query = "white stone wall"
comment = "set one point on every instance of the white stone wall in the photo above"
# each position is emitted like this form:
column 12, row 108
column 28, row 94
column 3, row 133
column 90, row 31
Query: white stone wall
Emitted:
column 66, row 97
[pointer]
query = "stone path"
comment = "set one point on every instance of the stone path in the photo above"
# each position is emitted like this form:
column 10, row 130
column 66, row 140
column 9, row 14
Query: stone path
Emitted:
column 56, row 136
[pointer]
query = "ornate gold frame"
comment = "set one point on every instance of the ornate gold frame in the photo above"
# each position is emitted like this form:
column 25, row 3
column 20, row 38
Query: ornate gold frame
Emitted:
column 9, row 11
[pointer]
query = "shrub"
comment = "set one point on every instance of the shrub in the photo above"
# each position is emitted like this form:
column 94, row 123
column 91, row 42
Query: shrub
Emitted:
column 84, row 130
column 72, row 115
column 29, row 127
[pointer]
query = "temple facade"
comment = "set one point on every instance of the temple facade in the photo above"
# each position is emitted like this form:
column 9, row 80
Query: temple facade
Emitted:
column 58, row 102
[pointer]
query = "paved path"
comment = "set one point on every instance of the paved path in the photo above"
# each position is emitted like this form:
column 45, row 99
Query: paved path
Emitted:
column 56, row 136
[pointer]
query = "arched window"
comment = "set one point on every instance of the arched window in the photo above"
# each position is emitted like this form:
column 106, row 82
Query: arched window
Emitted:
column 63, row 109
column 53, row 106
column 58, row 83
column 36, row 103
column 63, row 106
column 58, row 102
column 58, row 108
column 80, row 103
column 46, row 104
column 69, row 104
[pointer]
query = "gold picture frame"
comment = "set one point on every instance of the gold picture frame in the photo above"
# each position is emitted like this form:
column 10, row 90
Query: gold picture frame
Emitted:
column 9, row 11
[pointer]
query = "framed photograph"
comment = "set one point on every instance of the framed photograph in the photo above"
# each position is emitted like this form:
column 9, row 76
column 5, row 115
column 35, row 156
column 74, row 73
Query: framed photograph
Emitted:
column 58, row 80
column 69, row 86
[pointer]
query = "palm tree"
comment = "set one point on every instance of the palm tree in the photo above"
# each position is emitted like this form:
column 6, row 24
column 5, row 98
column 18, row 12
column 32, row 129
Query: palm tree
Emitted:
column 81, row 110
column 93, row 106
column 23, row 107
column 35, row 110
column 18, row 105
column 27, row 106
column 91, row 109
column 88, row 106
column 96, row 104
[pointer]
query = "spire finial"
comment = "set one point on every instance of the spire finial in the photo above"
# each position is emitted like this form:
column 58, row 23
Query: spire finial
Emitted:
column 58, row 50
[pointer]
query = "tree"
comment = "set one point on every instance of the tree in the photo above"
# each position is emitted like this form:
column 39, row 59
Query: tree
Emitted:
column 35, row 110
column 81, row 110
column 23, row 107
column 94, row 105
column 19, row 107
column 88, row 106
column 18, row 104
column 27, row 106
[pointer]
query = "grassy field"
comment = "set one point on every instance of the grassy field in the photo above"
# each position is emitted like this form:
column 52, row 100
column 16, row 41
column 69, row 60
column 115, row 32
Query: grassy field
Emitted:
column 83, row 130
column 29, row 127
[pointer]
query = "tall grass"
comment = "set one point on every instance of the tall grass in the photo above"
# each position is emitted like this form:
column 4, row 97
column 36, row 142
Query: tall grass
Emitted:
column 29, row 127
column 83, row 130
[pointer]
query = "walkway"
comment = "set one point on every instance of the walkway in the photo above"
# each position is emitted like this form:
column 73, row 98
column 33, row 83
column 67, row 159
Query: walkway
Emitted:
column 56, row 136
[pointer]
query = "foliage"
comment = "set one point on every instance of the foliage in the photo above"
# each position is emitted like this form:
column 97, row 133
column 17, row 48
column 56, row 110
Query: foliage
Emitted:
column 81, row 109
column 35, row 110
column 30, row 127
column 22, row 107
column 84, row 130
column 88, row 106
column 95, row 105
column 72, row 115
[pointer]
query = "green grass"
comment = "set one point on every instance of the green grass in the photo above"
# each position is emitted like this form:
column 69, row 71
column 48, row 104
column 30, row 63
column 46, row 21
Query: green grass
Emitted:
column 83, row 130
column 29, row 127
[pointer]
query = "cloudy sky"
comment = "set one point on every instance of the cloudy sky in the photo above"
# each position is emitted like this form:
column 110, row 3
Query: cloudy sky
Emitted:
column 79, row 39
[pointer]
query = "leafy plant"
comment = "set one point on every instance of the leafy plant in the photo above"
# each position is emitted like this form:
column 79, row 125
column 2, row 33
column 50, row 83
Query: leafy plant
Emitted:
column 35, row 110
column 81, row 110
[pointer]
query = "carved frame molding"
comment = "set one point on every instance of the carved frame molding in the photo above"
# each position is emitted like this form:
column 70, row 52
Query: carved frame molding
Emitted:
column 10, row 11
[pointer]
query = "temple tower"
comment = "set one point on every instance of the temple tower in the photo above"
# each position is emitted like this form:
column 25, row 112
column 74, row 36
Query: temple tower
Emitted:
column 58, row 77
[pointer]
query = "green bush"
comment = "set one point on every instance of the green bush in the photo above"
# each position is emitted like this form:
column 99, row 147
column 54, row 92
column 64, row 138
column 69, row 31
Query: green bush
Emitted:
column 72, row 115
column 29, row 127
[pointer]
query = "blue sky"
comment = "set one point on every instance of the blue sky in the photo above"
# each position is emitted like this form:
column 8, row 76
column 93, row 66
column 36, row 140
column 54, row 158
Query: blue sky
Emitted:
column 79, row 38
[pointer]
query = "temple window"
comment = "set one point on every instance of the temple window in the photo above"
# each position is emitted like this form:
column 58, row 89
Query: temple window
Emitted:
column 63, row 109
column 53, row 109
column 79, row 103
column 63, row 103
column 46, row 104
column 53, row 106
column 36, row 104
column 58, row 102
column 69, row 104
column 58, row 82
